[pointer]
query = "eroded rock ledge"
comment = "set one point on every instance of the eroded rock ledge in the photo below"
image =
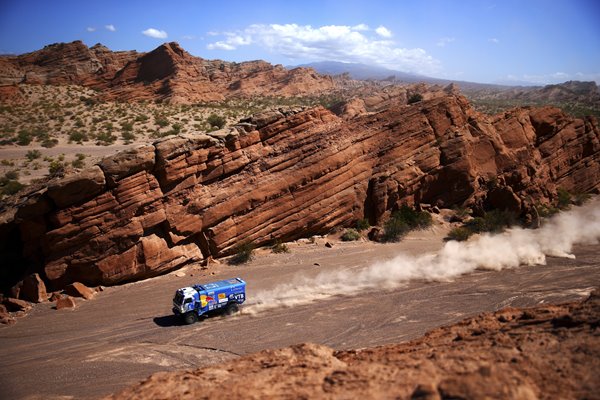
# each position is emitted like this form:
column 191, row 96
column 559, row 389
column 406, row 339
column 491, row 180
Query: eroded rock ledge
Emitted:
column 287, row 174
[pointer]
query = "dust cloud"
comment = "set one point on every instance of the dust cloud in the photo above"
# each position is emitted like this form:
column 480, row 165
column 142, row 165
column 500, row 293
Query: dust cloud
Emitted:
column 511, row 249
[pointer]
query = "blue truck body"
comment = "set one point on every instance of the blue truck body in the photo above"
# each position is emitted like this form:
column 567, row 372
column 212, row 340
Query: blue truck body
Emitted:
column 193, row 301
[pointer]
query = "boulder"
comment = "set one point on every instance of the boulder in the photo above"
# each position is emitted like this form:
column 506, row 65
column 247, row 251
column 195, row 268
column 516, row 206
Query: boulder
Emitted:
column 65, row 302
column 33, row 289
column 77, row 289
column 128, row 162
column 5, row 317
column 16, row 305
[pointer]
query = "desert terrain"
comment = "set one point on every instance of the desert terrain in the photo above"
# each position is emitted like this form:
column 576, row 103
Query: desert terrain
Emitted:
column 127, row 332
column 139, row 173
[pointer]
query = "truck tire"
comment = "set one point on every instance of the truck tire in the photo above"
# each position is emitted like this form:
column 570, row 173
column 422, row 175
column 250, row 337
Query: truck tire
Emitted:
column 190, row 318
column 232, row 308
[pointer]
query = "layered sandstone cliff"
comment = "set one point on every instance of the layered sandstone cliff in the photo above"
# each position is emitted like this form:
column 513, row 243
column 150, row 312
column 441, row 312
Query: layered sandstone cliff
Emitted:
column 287, row 174
column 168, row 73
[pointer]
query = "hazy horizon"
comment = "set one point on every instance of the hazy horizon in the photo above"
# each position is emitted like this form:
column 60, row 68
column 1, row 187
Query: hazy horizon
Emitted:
column 534, row 41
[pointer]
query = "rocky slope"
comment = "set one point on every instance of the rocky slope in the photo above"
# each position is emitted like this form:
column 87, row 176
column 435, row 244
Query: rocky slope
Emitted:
column 168, row 73
column 546, row 352
column 286, row 174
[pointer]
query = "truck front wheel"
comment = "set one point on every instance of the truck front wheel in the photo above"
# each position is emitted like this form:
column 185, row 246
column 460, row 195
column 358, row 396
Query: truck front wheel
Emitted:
column 190, row 318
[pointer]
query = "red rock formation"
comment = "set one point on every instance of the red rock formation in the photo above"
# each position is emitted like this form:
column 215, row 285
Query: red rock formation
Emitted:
column 65, row 302
column 167, row 73
column 33, row 289
column 77, row 289
column 292, row 173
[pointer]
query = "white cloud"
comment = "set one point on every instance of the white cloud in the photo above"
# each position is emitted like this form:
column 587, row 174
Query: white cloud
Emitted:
column 494, row 40
column 155, row 33
column 188, row 37
column 110, row 27
column 331, row 42
column 90, row 29
column 444, row 41
column 383, row 31
column 360, row 27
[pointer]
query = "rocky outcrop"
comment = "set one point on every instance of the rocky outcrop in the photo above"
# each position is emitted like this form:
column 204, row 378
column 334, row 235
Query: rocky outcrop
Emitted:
column 77, row 289
column 547, row 352
column 168, row 73
column 286, row 174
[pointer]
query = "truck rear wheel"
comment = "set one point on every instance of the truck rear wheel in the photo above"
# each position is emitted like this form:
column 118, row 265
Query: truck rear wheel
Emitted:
column 232, row 308
column 190, row 318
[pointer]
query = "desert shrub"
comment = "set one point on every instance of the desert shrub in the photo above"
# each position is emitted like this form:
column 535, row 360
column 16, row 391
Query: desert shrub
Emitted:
column 11, row 175
column 79, row 123
column 243, row 253
column 580, row 198
column 105, row 138
column 127, row 126
column 350, row 235
column 128, row 136
column 56, row 168
column 161, row 121
column 279, row 247
column 141, row 118
column 362, row 224
column 78, row 161
column 48, row 143
column 394, row 229
column 403, row 221
column 546, row 211
column 413, row 218
column 415, row 98
column 563, row 199
column 24, row 137
column 215, row 120
column 33, row 154
column 498, row 220
column 9, row 187
column 77, row 137
column 459, row 234
column 7, row 163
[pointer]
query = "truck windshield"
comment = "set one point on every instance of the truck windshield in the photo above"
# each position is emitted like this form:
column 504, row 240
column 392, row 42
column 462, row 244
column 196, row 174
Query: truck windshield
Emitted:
column 178, row 298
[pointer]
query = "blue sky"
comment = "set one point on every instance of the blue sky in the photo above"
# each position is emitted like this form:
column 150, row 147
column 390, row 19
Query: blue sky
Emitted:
column 483, row 41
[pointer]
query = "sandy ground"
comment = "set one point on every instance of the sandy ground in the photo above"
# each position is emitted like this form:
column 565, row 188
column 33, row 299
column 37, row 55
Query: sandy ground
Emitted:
column 127, row 332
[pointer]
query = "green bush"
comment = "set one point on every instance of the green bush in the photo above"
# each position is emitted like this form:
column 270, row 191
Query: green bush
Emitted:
column 563, row 199
column 56, row 168
column 243, row 253
column 459, row 234
column 362, row 224
column 24, row 138
column 279, row 247
column 415, row 98
column 48, row 143
column 403, row 221
column 105, row 138
column 77, row 137
column 394, row 229
column 10, row 187
column 215, row 120
column 350, row 235
column 33, row 154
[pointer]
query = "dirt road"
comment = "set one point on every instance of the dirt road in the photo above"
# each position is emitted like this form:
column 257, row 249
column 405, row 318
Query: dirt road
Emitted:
column 127, row 332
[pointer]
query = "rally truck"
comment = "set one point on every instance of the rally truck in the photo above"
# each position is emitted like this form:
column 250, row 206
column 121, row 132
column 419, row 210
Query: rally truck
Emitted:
column 193, row 301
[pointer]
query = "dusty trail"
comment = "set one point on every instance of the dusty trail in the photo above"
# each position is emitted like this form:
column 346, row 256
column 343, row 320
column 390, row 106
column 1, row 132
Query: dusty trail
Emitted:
column 127, row 332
